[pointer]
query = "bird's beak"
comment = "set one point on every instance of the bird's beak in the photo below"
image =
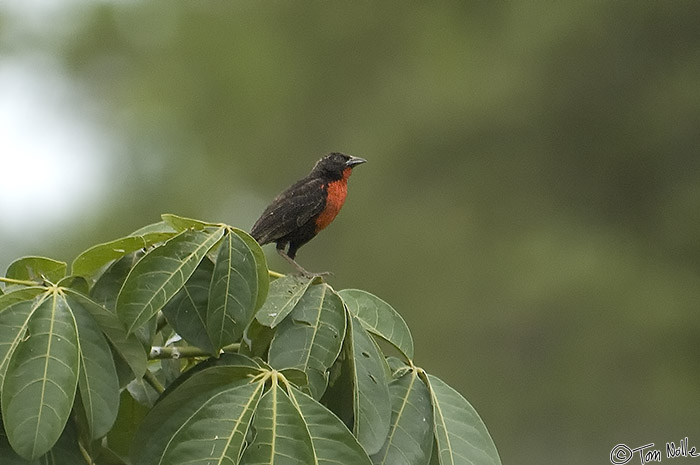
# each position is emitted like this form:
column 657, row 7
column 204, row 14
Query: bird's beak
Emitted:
column 354, row 161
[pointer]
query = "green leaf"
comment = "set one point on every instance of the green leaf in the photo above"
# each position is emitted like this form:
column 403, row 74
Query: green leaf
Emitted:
column 160, row 274
column 397, row 367
column 95, row 258
column 207, row 381
column 41, row 379
column 128, row 347
column 77, row 283
column 378, row 317
column 187, row 310
column 312, row 337
column 143, row 392
column 207, row 427
column 331, row 440
column 371, row 401
column 65, row 452
column 106, row 291
column 461, row 436
column 260, row 265
column 233, row 292
column 180, row 223
column 130, row 416
column 297, row 377
column 16, row 308
column 36, row 269
column 98, row 383
column 282, row 297
column 159, row 227
column 410, row 439
column 230, row 367
column 256, row 339
column 106, row 456
column 9, row 456
column 340, row 393
column 281, row 435
column 20, row 294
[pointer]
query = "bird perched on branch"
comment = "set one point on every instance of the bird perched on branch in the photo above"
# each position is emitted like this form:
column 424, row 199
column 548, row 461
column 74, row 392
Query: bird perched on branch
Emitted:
column 296, row 215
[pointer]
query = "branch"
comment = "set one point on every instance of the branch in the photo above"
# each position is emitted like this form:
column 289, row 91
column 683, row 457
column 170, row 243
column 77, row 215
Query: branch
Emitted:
column 151, row 379
column 23, row 283
column 159, row 352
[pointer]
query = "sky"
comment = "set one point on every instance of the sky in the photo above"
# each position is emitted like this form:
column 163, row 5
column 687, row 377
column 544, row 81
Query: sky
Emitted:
column 53, row 165
column 54, row 156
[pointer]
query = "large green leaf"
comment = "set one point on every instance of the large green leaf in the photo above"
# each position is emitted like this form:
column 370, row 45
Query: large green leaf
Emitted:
column 256, row 339
column 98, row 383
column 106, row 290
column 260, row 265
column 143, row 392
column 187, row 310
column 16, row 308
column 332, row 441
column 312, row 337
column 36, row 269
column 77, row 283
column 207, row 426
column 209, row 374
column 461, row 436
column 121, row 436
column 20, row 294
column 105, row 293
column 41, row 379
column 65, row 452
column 98, row 256
column 128, row 347
column 410, row 439
column 180, row 223
column 379, row 318
column 280, row 433
column 371, row 401
column 282, row 297
column 159, row 227
column 160, row 274
column 233, row 293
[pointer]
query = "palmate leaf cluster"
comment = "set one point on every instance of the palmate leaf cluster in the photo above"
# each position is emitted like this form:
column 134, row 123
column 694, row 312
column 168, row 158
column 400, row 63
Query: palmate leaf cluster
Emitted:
column 177, row 345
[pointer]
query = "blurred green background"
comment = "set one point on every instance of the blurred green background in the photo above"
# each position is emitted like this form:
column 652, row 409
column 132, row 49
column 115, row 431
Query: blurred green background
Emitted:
column 531, row 203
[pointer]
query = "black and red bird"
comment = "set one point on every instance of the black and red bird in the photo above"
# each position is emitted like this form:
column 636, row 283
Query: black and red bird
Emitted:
column 296, row 215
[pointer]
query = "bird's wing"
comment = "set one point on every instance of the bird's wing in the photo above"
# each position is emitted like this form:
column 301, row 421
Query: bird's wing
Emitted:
column 288, row 211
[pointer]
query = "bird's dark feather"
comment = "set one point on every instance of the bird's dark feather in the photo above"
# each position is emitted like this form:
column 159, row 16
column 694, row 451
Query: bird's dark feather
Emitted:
column 290, row 210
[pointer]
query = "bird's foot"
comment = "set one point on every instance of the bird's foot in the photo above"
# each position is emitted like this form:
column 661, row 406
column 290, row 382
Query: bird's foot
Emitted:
column 300, row 269
column 311, row 275
column 308, row 274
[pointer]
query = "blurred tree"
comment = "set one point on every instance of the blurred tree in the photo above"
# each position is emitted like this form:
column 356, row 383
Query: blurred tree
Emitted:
column 531, row 196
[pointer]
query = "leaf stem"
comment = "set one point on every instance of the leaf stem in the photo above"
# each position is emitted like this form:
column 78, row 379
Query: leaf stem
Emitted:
column 19, row 281
column 274, row 274
column 151, row 379
column 160, row 353
column 85, row 454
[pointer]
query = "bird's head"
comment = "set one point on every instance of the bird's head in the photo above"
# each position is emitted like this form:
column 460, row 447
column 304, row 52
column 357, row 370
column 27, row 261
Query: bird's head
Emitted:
column 337, row 165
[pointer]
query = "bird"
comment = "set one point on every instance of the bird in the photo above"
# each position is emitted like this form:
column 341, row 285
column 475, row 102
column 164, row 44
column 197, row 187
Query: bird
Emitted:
column 306, row 207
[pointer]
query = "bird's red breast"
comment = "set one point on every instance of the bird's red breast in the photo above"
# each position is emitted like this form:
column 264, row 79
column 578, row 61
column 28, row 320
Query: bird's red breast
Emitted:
column 335, row 198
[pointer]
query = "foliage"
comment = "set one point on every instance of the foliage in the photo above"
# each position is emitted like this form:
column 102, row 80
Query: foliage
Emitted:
column 172, row 346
